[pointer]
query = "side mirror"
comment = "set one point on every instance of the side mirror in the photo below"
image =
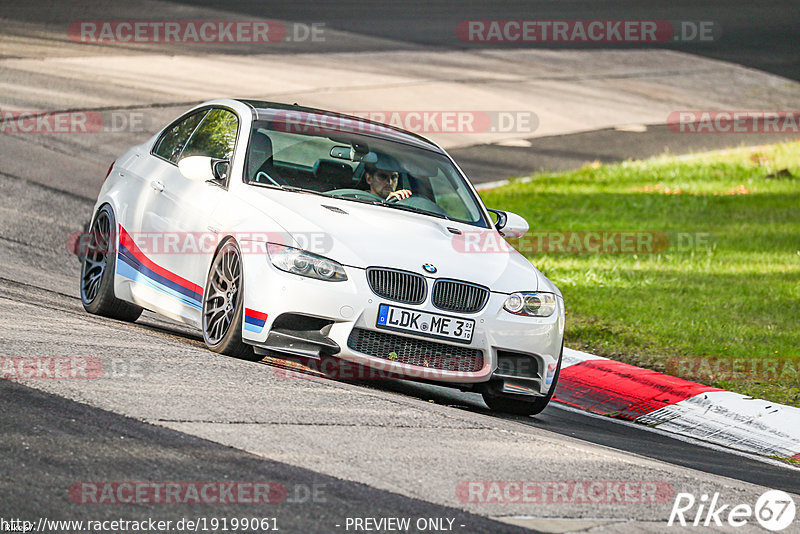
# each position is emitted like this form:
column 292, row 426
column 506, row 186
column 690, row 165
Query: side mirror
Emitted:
column 221, row 168
column 509, row 224
column 197, row 168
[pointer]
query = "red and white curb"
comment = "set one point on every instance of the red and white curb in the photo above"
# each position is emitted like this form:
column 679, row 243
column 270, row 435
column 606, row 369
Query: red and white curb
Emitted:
column 615, row 389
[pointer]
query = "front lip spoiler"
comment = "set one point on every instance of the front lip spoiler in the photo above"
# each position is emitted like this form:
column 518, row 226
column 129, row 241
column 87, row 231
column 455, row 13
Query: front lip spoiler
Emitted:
column 515, row 385
column 311, row 344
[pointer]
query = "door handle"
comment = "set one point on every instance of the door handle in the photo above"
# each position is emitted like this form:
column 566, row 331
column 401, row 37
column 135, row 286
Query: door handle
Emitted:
column 158, row 186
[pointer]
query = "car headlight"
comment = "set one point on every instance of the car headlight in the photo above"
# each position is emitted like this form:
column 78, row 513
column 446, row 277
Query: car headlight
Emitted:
column 296, row 261
column 531, row 304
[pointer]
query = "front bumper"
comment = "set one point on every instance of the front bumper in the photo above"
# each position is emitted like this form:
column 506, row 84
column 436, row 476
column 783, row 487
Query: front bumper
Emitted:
column 345, row 306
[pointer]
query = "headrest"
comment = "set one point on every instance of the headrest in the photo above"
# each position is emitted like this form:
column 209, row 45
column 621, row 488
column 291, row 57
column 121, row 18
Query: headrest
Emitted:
column 336, row 173
column 260, row 151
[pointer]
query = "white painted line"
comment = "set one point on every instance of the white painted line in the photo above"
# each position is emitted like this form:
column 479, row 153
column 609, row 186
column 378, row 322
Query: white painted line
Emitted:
column 573, row 357
column 724, row 418
column 500, row 183
column 734, row 420
column 679, row 437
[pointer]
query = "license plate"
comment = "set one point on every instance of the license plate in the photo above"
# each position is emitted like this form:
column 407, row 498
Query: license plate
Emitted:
column 425, row 323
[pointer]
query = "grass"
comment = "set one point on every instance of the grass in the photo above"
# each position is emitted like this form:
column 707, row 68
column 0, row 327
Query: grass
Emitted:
column 726, row 289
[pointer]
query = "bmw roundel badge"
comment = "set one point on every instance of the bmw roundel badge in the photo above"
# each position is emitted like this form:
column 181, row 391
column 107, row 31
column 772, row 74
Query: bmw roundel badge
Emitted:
column 429, row 268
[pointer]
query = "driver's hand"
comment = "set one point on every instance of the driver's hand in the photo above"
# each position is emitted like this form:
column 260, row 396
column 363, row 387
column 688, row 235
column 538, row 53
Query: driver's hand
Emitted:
column 399, row 194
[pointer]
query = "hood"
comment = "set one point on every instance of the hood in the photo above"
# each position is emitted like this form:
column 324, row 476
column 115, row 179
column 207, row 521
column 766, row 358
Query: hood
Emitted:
column 361, row 235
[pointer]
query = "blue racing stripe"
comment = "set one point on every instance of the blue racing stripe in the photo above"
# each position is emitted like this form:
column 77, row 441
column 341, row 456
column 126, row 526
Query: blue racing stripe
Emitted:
column 254, row 321
column 123, row 269
column 126, row 256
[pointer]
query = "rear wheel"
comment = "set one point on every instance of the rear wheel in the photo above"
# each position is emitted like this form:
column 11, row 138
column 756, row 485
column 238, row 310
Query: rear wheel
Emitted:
column 223, row 304
column 97, row 271
column 519, row 406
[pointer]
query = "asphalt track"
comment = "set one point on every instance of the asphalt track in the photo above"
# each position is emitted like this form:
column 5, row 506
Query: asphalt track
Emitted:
column 192, row 415
column 761, row 35
column 49, row 442
column 47, row 439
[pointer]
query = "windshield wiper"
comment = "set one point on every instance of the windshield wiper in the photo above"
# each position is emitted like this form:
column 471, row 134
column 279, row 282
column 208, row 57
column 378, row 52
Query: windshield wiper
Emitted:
column 403, row 207
column 356, row 199
column 416, row 210
column 295, row 189
column 393, row 205
column 290, row 188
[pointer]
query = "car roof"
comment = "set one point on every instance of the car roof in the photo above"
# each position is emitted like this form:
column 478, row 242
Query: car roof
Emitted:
column 264, row 110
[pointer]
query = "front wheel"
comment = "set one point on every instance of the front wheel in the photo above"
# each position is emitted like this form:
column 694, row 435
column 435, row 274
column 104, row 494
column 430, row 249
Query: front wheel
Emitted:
column 223, row 303
column 514, row 405
column 97, row 271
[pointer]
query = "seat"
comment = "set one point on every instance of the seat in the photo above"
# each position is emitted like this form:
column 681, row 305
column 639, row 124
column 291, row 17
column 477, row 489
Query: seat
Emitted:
column 260, row 160
column 333, row 174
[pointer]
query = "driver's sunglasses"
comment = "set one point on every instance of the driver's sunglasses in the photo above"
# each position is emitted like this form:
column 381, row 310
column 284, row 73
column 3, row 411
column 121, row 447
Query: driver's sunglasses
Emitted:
column 386, row 176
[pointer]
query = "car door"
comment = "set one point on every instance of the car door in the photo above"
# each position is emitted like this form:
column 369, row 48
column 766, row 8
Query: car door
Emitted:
column 146, row 285
column 150, row 168
column 180, row 217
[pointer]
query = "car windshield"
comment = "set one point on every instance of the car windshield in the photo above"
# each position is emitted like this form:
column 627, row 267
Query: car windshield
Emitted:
column 342, row 163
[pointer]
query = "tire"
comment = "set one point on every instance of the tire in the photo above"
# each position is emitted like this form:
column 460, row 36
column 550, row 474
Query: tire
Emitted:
column 97, row 271
column 223, row 304
column 513, row 404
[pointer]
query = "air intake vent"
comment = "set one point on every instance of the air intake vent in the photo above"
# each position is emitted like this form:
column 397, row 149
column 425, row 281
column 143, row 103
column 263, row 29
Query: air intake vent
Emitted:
column 399, row 286
column 452, row 295
column 419, row 352
column 334, row 209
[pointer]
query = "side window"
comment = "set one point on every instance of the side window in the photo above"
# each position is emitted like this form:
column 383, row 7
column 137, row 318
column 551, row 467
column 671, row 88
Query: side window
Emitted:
column 172, row 142
column 215, row 137
column 452, row 199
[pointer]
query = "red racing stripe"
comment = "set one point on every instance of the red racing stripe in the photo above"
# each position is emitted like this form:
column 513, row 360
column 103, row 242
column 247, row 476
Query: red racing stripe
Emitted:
column 255, row 314
column 130, row 244
column 617, row 389
column 796, row 456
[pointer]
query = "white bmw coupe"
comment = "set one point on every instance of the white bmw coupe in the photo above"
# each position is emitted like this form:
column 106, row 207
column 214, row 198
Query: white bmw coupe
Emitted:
column 283, row 230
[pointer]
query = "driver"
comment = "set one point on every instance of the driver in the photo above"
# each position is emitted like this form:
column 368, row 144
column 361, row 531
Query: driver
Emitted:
column 382, row 181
